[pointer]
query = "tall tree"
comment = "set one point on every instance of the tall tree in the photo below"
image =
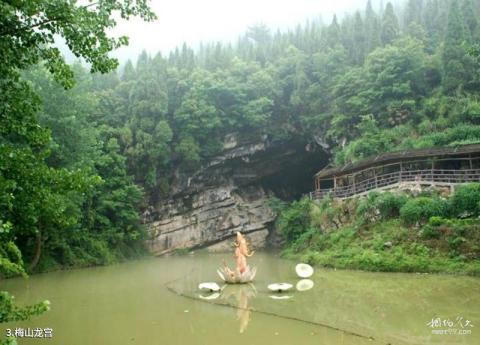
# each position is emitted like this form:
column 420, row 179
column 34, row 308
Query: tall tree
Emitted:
column 433, row 33
column 390, row 28
column 471, row 22
column 413, row 12
column 333, row 33
column 454, row 54
column 372, row 28
column 359, row 39
column 128, row 71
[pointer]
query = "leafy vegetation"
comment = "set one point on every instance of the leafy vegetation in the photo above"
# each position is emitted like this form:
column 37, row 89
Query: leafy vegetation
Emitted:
column 387, row 232
column 42, row 203
column 421, row 209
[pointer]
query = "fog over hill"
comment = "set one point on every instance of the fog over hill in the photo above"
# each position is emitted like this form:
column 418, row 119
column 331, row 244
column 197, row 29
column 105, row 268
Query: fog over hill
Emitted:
column 194, row 22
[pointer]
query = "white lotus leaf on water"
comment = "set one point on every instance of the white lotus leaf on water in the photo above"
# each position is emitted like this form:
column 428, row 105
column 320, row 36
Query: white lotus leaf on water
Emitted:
column 214, row 295
column 304, row 285
column 279, row 287
column 304, row 270
column 209, row 286
column 280, row 297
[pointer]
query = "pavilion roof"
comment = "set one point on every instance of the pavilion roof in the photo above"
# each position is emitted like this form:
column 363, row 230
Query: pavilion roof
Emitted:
column 397, row 156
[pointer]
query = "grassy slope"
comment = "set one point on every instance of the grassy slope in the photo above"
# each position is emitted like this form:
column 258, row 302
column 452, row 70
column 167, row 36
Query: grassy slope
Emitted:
column 448, row 245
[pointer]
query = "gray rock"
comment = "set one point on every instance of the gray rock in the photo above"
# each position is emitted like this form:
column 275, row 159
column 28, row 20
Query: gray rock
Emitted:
column 214, row 217
column 230, row 193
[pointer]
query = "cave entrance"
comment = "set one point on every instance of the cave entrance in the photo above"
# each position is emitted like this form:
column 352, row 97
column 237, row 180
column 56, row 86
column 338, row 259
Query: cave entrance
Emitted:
column 287, row 169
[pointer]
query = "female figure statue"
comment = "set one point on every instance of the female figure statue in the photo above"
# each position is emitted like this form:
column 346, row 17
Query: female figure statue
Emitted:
column 242, row 273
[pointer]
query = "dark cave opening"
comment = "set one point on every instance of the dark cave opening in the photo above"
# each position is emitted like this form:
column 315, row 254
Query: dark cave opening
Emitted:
column 286, row 169
column 295, row 179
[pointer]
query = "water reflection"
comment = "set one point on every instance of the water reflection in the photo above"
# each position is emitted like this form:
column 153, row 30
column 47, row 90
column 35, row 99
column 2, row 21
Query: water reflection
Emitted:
column 283, row 297
column 304, row 285
column 211, row 296
column 239, row 295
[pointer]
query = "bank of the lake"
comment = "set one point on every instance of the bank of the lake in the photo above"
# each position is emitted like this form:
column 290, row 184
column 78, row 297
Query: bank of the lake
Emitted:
column 394, row 232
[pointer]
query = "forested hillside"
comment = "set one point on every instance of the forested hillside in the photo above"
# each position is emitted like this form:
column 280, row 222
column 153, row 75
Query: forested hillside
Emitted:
column 370, row 83
column 81, row 166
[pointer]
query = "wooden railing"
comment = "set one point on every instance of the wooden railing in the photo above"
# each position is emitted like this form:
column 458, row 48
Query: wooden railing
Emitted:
column 431, row 177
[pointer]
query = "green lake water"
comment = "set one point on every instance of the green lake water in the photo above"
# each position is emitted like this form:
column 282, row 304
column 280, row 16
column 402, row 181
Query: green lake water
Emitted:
column 156, row 301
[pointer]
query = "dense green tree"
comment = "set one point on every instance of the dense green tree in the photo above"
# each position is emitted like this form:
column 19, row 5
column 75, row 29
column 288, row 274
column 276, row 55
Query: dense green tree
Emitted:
column 128, row 71
column 471, row 22
column 37, row 200
column 395, row 81
column 433, row 26
column 359, row 39
column 372, row 28
column 390, row 28
column 413, row 12
column 333, row 33
column 454, row 57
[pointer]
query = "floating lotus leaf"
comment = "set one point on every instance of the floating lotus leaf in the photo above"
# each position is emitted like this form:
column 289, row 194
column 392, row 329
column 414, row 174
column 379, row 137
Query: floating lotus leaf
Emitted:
column 304, row 270
column 209, row 286
column 279, row 287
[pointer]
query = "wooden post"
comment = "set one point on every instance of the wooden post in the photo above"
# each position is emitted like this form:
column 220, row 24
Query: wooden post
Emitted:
column 433, row 168
column 353, row 176
column 401, row 171
column 334, row 185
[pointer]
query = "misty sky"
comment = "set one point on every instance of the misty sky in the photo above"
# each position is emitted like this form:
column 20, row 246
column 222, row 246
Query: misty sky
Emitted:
column 193, row 21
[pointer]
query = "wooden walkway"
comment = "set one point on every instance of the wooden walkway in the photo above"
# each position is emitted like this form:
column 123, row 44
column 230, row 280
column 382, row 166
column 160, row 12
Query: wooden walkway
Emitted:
column 430, row 177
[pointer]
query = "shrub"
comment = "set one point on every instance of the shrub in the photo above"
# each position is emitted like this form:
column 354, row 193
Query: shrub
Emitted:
column 430, row 232
column 466, row 199
column 389, row 204
column 419, row 210
column 304, row 240
column 380, row 206
column 433, row 230
column 366, row 210
column 295, row 219
column 437, row 221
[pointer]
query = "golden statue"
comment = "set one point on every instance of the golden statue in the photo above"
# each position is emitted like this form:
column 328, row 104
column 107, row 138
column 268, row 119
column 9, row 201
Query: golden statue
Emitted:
column 242, row 272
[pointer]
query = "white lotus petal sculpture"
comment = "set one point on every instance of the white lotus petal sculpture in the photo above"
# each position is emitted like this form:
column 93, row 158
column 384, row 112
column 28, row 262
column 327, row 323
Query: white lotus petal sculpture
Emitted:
column 280, row 287
column 235, row 276
column 304, row 270
column 212, row 287
column 242, row 273
column 304, row 285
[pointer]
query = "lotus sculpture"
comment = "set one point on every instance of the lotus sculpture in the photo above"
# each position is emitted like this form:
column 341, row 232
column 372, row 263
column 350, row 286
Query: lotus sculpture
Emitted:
column 242, row 272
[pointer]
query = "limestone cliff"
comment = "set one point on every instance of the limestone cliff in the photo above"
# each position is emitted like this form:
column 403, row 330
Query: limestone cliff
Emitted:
column 230, row 193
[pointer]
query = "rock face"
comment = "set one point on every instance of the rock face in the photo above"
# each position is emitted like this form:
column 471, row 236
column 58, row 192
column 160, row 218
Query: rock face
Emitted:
column 210, row 217
column 230, row 193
